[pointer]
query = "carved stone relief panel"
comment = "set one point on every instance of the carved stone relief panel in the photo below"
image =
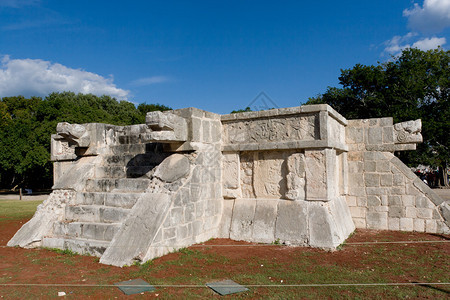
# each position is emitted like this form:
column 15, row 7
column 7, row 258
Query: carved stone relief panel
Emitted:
column 316, row 175
column 269, row 177
column 291, row 128
column 296, row 177
column 231, row 179
column 246, row 174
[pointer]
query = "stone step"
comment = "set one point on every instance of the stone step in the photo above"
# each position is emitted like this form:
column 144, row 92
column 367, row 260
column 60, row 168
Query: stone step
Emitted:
column 128, row 149
column 123, row 200
column 134, row 149
column 122, row 172
column 91, row 231
column 78, row 245
column 95, row 214
column 137, row 160
column 117, row 185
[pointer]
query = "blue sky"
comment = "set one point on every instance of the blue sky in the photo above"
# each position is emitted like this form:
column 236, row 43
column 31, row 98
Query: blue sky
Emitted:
column 213, row 55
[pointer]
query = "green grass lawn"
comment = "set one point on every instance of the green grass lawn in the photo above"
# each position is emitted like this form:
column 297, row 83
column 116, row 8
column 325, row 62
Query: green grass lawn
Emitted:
column 16, row 209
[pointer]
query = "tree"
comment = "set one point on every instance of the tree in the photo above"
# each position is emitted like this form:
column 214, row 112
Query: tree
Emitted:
column 26, row 126
column 414, row 85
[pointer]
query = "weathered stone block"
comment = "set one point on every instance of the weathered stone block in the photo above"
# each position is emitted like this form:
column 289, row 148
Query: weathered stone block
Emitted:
column 386, row 180
column 388, row 134
column 189, row 212
column 351, row 200
column 206, row 126
column 243, row 219
column 424, row 213
column 374, row 156
column 357, row 191
column 316, row 175
column 182, row 232
column 394, row 224
column 377, row 191
column 410, row 212
column 397, row 190
column 199, row 209
column 372, row 179
column 197, row 129
column 375, row 135
column 360, row 222
column 358, row 212
column 370, row 166
column 173, row 168
column 378, row 208
column 354, row 135
column 397, row 180
column 383, row 166
column 394, row 201
column 377, row 220
column 169, row 233
column 265, row 217
column 406, row 224
column 373, row 200
column 355, row 156
column 355, row 180
column 422, row 202
column 225, row 222
column 419, row 225
column 355, row 167
column 430, row 226
column 321, row 227
column 176, row 216
column 361, row 201
column 396, row 212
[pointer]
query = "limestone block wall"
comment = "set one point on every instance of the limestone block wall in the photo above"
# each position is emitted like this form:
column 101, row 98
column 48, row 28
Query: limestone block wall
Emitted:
column 383, row 193
column 282, row 176
column 188, row 211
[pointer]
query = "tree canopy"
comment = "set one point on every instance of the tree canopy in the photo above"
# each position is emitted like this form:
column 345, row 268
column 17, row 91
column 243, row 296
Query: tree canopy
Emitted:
column 414, row 85
column 27, row 123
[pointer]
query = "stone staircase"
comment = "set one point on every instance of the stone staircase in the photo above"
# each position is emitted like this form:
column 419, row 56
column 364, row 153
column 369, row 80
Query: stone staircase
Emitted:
column 90, row 223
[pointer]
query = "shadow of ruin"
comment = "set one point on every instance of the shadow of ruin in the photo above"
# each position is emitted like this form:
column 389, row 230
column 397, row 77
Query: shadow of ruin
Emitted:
column 302, row 176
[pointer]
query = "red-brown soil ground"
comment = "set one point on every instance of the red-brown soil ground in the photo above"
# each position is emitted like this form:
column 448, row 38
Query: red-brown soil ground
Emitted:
column 82, row 277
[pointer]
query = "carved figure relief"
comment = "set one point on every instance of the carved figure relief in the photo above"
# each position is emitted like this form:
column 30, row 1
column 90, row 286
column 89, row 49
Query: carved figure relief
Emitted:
column 408, row 132
column 271, row 130
column 296, row 177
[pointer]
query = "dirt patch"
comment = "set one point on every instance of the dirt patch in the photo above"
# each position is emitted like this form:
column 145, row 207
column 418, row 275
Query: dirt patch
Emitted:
column 358, row 261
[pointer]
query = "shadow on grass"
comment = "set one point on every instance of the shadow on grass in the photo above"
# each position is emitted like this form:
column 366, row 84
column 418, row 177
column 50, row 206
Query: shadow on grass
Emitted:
column 433, row 287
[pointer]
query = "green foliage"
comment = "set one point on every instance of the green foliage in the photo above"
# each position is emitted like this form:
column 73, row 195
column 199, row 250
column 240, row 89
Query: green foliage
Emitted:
column 26, row 126
column 414, row 85
column 67, row 252
column 247, row 109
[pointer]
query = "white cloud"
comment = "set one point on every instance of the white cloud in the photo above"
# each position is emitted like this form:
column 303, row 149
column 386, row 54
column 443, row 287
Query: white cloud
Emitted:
column 149, row 80
column 433, row 17
column 429, row 43
column 398, row 43
column 36, row 77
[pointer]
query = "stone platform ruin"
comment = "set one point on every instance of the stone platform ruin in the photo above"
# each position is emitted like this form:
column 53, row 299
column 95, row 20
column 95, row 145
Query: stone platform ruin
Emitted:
column 301, row 176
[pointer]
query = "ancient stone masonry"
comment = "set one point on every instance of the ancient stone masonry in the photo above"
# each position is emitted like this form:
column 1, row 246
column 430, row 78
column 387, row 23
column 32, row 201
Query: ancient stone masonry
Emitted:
column 302, row 176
